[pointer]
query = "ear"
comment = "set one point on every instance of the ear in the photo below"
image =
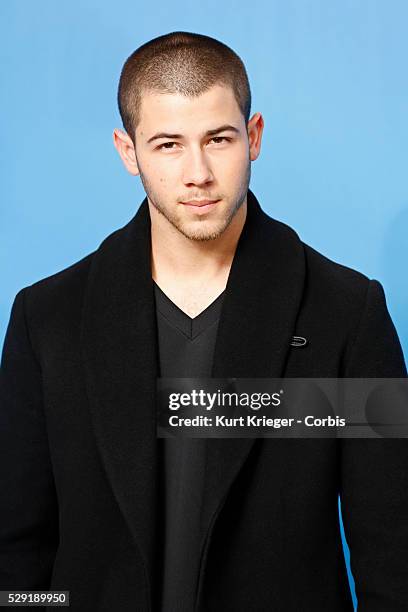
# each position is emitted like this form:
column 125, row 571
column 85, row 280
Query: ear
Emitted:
column 124, row 146
column 255, row 129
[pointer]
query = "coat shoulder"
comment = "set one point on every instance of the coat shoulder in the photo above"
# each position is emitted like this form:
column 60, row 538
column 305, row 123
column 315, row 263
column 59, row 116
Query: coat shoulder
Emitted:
column 334, row 282
column 65, row 289
column 59, row 290
column 53, row 305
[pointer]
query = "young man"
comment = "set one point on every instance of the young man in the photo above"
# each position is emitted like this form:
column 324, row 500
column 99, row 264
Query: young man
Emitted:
column 201, row 282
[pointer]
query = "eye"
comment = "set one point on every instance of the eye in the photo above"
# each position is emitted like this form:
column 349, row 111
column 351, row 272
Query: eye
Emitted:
column 168, row 145
column 221, row 138
column 163, row 146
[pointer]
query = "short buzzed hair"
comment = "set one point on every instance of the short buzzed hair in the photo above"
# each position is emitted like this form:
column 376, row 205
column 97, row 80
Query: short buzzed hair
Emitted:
column 180, row 62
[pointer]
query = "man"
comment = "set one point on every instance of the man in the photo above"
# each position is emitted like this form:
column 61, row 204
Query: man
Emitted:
column 201, row 282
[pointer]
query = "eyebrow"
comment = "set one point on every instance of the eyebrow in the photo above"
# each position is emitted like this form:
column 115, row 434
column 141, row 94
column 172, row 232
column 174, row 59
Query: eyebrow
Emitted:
column 223, row 128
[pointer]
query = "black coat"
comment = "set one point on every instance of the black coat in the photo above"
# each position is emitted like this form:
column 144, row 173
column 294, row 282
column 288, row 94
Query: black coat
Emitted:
column 78, row 464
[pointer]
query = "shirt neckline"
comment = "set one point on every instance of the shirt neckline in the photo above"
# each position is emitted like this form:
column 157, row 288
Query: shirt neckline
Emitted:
column 190, row 326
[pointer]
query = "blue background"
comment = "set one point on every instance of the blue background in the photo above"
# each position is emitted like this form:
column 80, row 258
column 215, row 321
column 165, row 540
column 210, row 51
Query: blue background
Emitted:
column 329, row 78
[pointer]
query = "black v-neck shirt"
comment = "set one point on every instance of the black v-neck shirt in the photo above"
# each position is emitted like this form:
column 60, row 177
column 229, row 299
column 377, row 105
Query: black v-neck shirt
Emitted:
column 186, row 348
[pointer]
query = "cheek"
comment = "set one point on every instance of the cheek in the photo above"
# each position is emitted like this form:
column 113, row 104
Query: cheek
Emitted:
column 159, row 177
column 235, row 166
column 239, row 154
column 164, row 173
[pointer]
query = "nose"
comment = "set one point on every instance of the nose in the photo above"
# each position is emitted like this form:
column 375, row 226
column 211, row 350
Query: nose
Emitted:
column 196, row 169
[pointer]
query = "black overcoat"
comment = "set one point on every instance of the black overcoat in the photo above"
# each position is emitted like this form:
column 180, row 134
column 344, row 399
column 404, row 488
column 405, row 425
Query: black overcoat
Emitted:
column 79, row 467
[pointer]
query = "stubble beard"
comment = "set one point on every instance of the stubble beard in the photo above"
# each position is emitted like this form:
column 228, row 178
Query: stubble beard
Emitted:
column 197, row 234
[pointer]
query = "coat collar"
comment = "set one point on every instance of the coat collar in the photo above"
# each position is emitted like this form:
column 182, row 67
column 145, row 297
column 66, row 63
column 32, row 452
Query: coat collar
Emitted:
column 120, row 356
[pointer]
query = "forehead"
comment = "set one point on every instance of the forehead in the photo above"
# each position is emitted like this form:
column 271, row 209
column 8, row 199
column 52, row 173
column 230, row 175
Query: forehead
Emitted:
column 178, row 112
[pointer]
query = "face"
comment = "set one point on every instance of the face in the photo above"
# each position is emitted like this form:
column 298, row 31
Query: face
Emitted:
column 194, row 157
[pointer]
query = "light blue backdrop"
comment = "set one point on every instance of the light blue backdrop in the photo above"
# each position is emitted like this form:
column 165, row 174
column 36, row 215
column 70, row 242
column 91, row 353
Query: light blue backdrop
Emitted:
column 328, row 76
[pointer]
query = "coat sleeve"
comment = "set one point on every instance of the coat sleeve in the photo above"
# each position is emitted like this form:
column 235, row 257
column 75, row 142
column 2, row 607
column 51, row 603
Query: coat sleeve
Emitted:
column 28, row 503
column 374, row 474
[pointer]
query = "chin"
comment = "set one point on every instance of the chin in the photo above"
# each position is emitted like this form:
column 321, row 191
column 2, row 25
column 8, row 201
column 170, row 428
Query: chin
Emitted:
column 203, row 231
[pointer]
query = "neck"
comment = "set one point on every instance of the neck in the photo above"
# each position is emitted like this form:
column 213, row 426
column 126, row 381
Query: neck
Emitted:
column 192, row 261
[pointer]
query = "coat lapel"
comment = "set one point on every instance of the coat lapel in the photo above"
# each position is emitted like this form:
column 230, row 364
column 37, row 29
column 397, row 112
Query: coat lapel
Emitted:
column 120, row 354
column 257, row 322
column 120, row 357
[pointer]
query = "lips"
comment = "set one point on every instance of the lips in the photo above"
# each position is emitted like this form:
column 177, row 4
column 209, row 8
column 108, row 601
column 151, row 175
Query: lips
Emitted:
column 200, row 207
column 200, row 203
